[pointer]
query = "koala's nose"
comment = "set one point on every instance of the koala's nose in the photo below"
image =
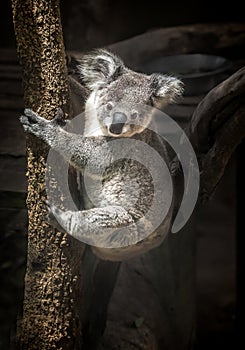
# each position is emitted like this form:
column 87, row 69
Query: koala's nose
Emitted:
column 118, row 122
column 119, row 117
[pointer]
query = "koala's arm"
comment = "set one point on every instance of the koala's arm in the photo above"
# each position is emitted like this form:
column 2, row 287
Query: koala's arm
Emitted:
column 76, row 149
column 111, row 226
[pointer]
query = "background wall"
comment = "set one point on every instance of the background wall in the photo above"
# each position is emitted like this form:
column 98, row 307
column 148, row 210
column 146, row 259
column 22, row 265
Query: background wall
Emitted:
column 90, row 23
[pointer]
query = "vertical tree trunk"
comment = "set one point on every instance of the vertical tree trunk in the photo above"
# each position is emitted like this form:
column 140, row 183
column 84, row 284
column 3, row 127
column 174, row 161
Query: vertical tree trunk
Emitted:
column 52, row 276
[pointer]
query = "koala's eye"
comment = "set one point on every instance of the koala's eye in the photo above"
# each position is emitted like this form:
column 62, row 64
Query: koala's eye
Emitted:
column 134, row 115
column 109, row 106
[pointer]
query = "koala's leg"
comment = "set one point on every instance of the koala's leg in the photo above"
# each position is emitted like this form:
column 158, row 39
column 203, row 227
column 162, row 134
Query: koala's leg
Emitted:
column 97, row 226
column 76, row 149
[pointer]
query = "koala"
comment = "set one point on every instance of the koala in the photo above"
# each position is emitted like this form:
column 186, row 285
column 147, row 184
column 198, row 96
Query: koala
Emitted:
column 119, row 106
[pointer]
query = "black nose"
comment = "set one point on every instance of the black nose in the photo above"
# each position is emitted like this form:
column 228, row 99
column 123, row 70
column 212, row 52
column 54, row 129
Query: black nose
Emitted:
column 118, row 122
column 119, row 117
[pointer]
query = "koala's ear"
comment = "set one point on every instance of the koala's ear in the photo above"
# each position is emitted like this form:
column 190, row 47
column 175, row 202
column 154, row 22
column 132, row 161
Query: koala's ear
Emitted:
column 165, row 87
column 99, row 68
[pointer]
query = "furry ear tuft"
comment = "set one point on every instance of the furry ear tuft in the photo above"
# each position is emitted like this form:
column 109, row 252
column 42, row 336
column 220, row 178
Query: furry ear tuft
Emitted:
column 166, row 87
column 99, row 67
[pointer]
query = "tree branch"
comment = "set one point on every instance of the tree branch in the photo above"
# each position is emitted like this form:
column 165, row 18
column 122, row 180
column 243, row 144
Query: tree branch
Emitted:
column 210, row 38
column 216, row 129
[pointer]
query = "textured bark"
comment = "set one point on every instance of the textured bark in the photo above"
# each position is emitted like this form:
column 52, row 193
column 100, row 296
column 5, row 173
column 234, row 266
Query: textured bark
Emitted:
column 52, row 283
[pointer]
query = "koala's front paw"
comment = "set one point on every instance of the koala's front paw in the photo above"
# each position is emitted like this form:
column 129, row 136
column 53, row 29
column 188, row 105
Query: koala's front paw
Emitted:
column 42, row 127
column 33, row 123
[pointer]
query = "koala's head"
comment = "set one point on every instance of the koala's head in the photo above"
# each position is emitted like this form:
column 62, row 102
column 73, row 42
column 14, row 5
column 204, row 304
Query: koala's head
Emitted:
column 117, row 95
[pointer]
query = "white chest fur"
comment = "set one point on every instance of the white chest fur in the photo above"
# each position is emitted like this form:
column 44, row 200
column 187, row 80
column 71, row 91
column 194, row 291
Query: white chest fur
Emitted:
column 92, row 126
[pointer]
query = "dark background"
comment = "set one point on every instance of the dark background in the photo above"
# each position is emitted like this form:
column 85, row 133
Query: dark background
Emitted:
column 88, row 24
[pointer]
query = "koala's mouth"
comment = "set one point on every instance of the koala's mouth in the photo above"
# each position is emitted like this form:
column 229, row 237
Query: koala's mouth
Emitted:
column 116, row 129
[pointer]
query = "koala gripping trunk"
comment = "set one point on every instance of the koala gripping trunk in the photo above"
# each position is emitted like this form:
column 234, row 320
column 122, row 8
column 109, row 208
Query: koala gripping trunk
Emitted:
column 51, row 283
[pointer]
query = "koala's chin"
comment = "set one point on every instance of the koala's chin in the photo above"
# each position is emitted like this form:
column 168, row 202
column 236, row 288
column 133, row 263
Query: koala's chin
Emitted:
column 126, row 131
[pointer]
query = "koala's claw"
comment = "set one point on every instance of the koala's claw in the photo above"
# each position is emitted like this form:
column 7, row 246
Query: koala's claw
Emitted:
column 51, row 208
column 48, row 204
column 59, row 113
column 52, row 211
column 59, row 118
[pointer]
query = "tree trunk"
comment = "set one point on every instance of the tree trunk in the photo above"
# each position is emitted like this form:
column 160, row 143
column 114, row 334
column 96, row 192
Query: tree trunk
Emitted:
column 56, row 302
column 52, row 283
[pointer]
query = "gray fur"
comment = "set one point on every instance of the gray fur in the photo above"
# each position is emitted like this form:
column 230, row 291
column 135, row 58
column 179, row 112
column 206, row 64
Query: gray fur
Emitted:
column 100, row 68
column 110, row 83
